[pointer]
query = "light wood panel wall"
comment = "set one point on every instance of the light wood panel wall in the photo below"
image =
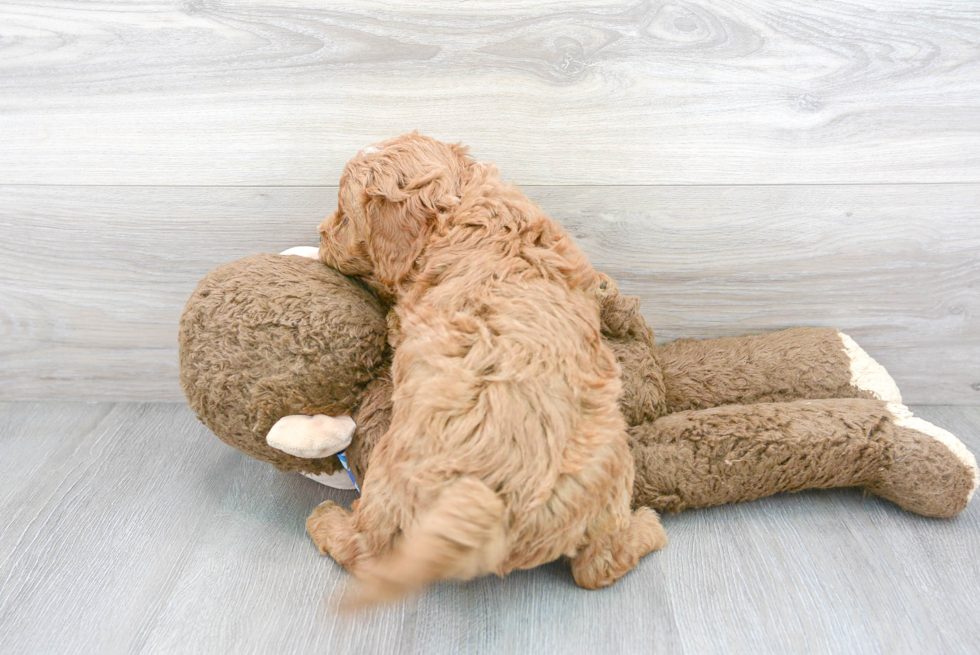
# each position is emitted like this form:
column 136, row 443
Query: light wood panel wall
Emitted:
column 284, row 91
column 94, row 278
column 743, row 166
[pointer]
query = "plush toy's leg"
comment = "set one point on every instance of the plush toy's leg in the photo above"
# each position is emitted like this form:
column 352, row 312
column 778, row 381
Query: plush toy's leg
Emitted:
column 793, row 364
column 734, row 453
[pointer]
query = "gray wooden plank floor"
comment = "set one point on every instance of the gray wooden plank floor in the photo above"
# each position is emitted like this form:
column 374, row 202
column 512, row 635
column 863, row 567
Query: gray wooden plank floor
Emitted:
column 129, row 528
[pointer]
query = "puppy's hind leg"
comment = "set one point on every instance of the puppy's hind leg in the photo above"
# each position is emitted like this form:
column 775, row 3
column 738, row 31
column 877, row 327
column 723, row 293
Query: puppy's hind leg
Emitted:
column 610, row 552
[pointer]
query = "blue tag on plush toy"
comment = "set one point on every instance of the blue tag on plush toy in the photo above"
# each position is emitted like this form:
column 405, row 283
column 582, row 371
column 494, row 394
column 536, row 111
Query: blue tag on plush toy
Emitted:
column 342, row 456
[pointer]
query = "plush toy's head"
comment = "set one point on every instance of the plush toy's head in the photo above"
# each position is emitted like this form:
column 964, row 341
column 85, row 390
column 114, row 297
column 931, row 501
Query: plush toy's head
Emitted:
column 270, row 336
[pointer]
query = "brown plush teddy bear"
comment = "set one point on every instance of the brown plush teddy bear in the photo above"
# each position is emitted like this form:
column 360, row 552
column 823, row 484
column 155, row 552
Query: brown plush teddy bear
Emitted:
column 286, row 360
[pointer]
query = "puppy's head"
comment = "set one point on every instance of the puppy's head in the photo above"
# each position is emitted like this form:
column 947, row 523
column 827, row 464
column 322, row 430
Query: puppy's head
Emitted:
column 392, row 197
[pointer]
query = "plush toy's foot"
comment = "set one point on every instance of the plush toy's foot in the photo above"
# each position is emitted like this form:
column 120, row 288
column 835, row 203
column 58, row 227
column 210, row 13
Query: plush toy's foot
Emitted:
column 311, row 437
column 929, row 470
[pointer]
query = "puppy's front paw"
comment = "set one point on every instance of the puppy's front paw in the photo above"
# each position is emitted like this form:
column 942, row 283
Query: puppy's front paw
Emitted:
column 322, row 509
column 332, row 529
column 317, row 525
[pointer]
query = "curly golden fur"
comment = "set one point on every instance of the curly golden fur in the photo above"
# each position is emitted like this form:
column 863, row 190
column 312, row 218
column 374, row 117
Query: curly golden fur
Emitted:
column 507, row 448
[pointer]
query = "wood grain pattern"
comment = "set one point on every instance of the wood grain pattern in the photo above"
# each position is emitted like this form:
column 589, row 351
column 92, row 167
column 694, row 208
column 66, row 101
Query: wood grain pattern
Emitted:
column 283, row 92
column 129, row 528
column 94, row 278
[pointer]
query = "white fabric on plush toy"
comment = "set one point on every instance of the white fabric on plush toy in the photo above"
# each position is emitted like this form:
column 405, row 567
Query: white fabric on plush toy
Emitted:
column 313, row 437
column 338, row 480
column 302, row 251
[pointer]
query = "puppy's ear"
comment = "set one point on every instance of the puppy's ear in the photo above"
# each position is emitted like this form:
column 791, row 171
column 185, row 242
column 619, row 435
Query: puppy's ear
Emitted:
column 401, row 215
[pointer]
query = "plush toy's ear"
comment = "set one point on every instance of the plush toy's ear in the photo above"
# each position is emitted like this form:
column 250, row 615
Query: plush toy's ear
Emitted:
column 401, row 215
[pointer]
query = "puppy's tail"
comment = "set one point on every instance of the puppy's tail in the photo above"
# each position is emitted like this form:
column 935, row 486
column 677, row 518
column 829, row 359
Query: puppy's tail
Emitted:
column 461, row 536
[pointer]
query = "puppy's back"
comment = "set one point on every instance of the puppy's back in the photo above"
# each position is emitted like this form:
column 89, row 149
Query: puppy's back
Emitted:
column 513, row 387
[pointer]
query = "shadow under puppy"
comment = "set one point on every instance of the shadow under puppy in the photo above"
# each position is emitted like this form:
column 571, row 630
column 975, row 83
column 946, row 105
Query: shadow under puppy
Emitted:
column 506, row 448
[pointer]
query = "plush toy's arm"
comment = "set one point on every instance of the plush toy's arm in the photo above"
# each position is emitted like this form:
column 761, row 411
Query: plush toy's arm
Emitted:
column 788, row 365
column 741, row 452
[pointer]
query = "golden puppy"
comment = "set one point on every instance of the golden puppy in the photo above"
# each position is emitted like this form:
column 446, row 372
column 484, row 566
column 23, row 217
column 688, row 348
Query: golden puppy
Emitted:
column 506, row 448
